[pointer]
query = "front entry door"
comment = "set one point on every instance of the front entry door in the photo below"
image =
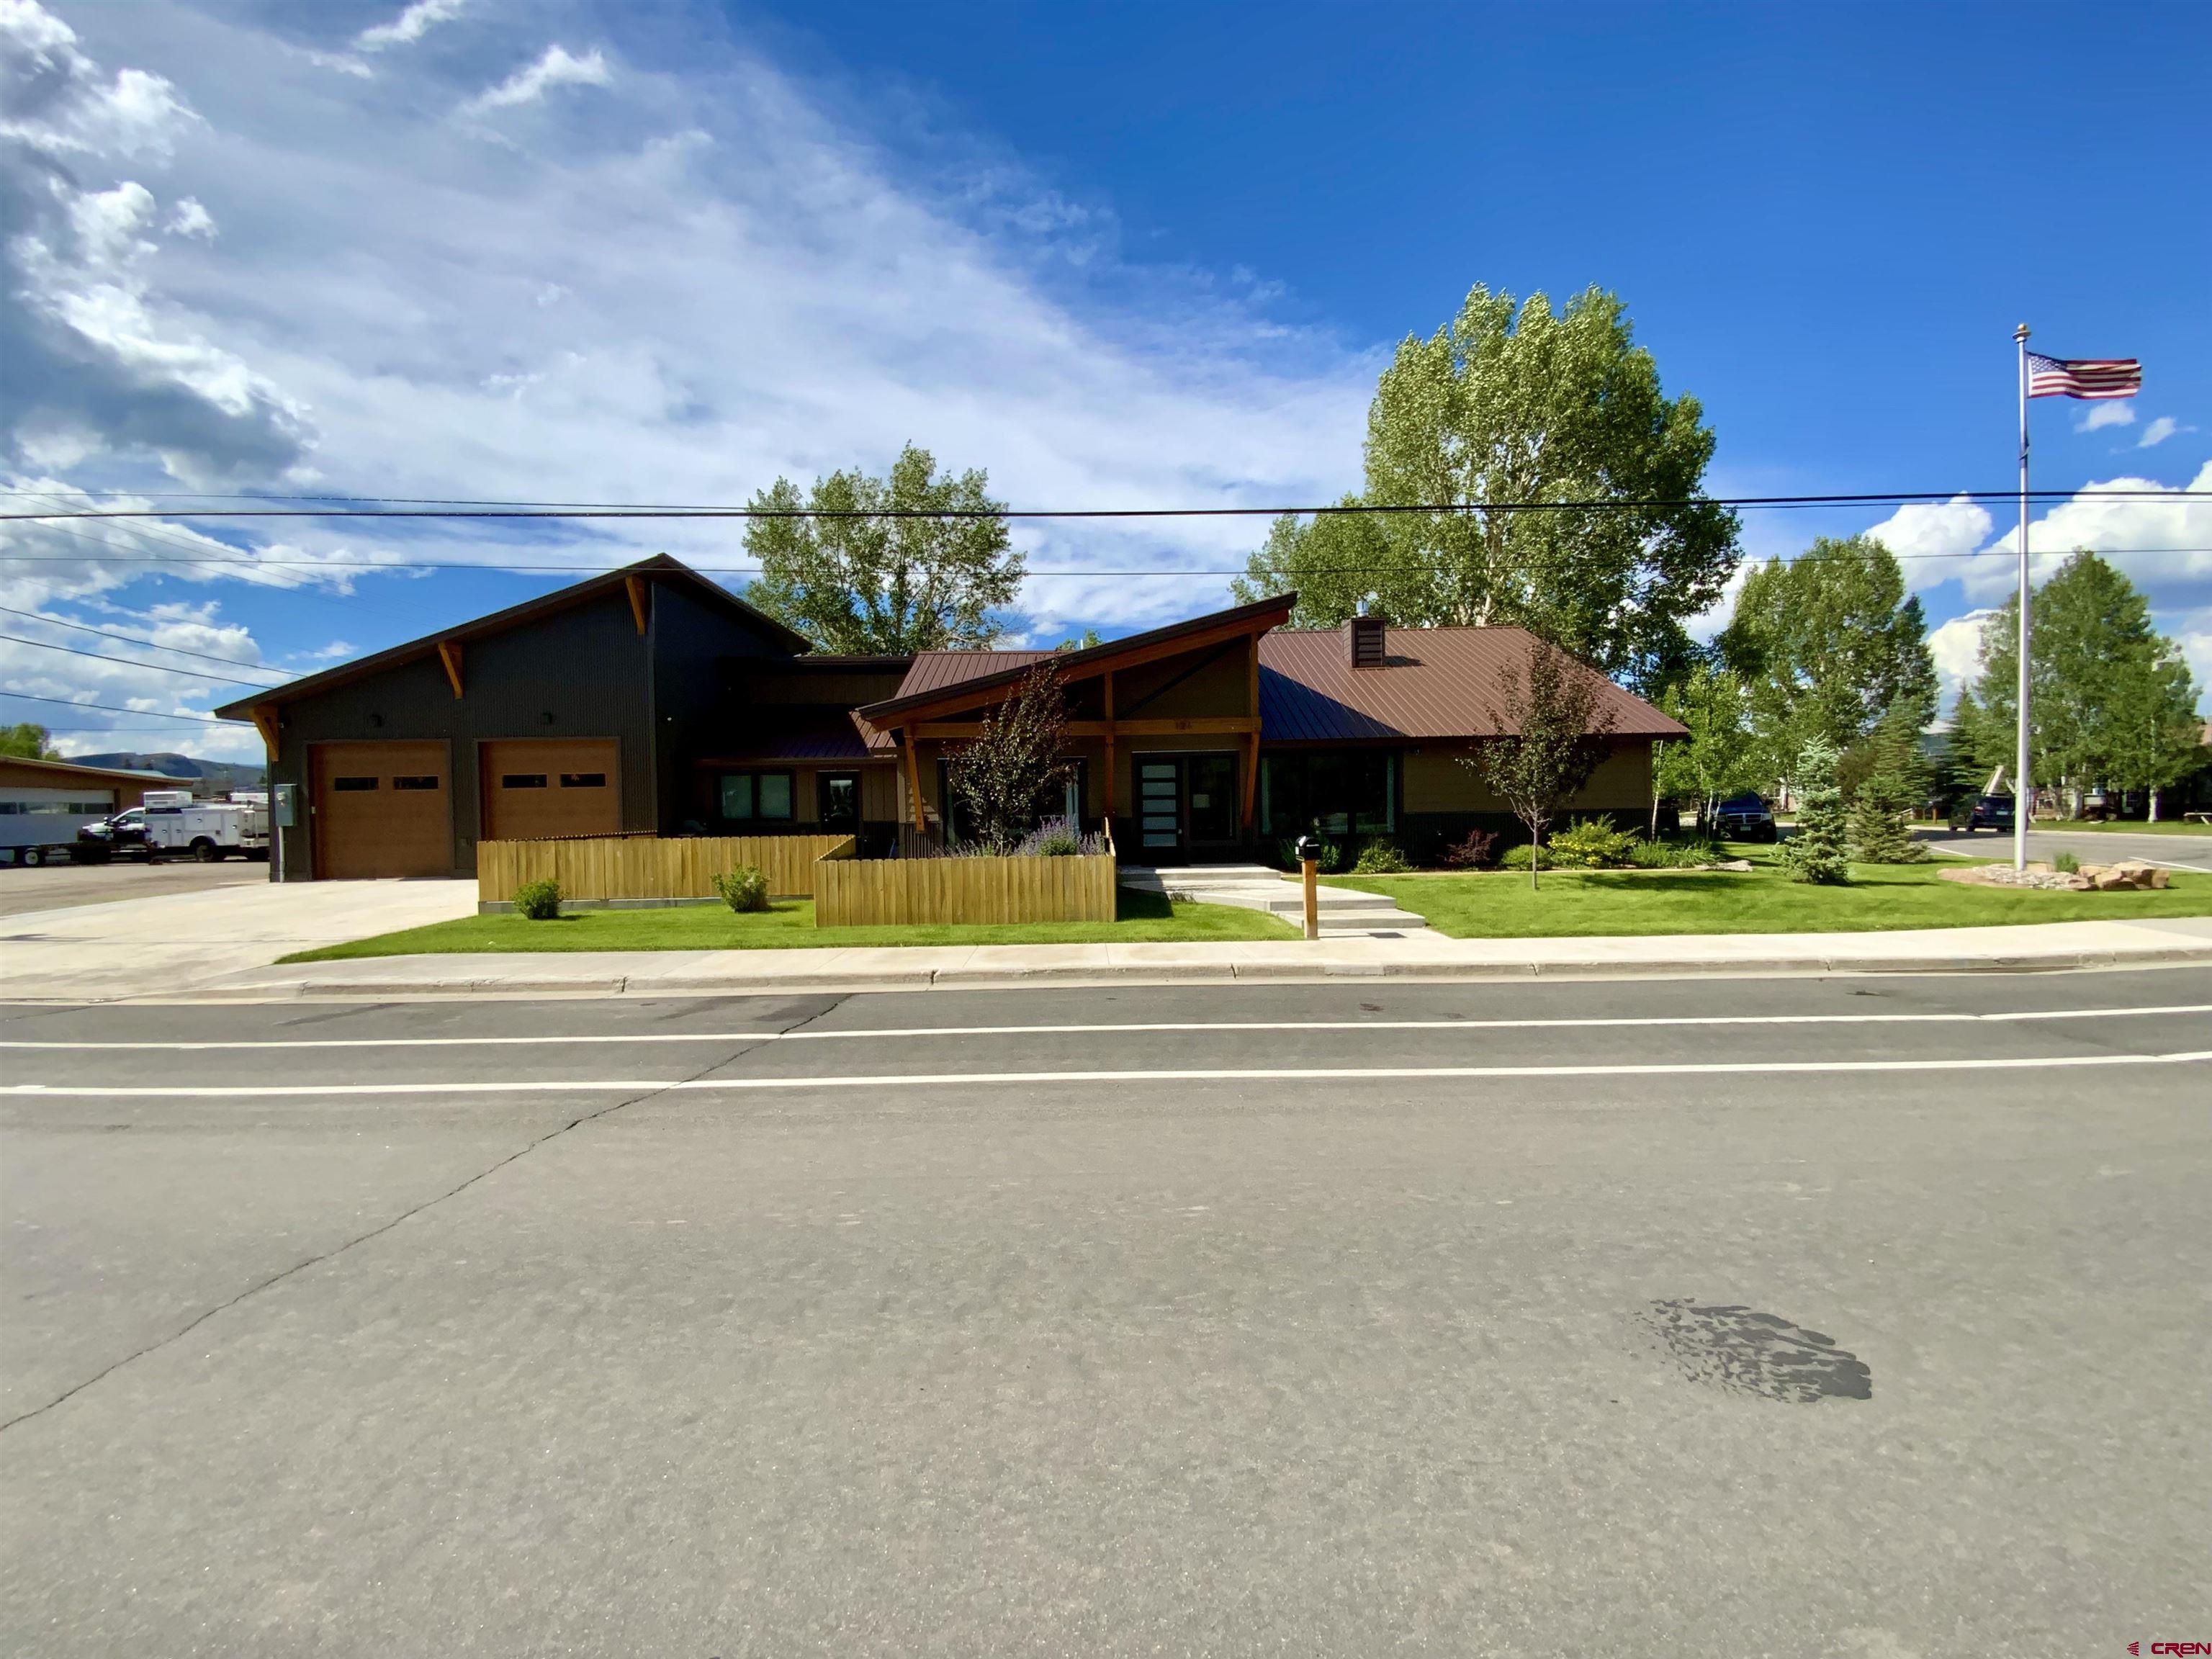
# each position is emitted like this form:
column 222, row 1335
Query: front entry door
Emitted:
column 1186, row 806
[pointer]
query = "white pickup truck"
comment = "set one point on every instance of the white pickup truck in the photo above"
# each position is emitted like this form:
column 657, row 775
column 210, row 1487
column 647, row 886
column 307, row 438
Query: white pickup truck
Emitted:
column 177, row 824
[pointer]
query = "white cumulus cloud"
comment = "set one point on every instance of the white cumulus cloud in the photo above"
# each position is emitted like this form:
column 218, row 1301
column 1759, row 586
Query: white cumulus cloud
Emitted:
column 2117, row 412
column 189, row 218
column 2159, row 431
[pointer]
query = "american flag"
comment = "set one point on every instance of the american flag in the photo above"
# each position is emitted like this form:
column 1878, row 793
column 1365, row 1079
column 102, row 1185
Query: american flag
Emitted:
column 2082, row 377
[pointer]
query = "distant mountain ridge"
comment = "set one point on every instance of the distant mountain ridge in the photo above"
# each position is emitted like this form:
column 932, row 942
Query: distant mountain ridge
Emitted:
column 206, row 777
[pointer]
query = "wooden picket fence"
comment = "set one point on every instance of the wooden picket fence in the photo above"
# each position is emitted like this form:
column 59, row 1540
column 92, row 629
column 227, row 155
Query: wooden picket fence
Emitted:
column 647, row 867
column 895, row 893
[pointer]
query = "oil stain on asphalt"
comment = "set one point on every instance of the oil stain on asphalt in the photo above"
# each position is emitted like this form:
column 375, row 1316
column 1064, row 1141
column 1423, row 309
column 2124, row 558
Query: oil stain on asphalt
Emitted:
column 1747, row 1351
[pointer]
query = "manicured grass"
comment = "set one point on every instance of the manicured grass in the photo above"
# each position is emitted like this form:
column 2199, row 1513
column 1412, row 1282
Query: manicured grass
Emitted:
column 1143, row 917
column 2109, row 827
column 1879, row 898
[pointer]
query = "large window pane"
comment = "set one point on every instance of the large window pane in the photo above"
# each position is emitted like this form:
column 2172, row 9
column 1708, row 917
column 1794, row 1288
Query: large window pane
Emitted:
column 737, row 795
column 773, row 791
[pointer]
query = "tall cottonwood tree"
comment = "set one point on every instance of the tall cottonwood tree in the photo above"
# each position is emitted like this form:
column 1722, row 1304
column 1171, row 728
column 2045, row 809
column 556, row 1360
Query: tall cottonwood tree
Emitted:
column 1719, row 758
column 1506, row 413
column 1830, row 645
column 2113, row 702
column 866, row 578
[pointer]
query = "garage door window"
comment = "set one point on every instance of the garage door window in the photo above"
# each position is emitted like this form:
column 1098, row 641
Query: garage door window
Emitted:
column 522, row 780
column 749, row 796
column 427, row 781
column 583, row 780
column 341, row 785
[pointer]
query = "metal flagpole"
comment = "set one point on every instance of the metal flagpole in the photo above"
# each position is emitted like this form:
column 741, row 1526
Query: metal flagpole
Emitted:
column 2023, row 794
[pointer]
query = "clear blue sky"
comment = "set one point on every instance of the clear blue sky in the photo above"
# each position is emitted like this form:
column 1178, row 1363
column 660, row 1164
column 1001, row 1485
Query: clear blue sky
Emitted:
column 1150, row 255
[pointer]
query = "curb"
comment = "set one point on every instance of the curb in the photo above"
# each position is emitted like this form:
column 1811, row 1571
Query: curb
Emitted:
column 1169, row 973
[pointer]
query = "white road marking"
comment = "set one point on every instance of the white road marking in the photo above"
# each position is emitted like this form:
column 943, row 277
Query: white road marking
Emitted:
column 1153, row 1025
column 1196, row 1074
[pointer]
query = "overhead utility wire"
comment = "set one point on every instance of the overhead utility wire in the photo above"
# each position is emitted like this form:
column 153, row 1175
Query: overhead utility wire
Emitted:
column 110, row 708
column 400, row 565
column 1339, row 509
column 149, row 667
column 127, row 639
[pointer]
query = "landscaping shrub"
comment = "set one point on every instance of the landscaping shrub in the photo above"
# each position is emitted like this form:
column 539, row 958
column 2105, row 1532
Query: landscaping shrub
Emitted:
column 1057, row 839
column 1516, row 857
column 1478, row 851
column 1674, row 854
column 2066, row 864
column 1381, row 857
column 745, row 888
column 540, row 901
column 1817, row 852
column 1590, row 845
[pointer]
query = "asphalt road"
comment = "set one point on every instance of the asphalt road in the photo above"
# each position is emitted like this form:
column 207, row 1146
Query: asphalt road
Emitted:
column 62, row 886
column 1410, row 1319
column 2185, row 852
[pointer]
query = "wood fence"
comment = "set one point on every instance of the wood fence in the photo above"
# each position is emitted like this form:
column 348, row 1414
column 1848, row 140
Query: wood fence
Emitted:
column 890, row 892
column 647, row 866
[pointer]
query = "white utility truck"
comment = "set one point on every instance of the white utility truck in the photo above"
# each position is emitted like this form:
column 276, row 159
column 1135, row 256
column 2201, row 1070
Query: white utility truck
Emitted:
column 176, row 824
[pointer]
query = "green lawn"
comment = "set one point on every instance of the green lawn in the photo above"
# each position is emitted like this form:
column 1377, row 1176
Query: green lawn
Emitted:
column 1880, row 897
column 1145, row 917
column 2062, row 827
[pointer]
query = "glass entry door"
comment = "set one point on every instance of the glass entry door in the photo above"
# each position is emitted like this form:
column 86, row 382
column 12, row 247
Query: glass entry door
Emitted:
column 1159, row 810
column 1185, row 804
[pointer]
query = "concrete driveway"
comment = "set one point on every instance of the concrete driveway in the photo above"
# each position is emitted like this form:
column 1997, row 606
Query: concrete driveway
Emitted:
column 2090, row 846
column 169, row 943
column 62, row 886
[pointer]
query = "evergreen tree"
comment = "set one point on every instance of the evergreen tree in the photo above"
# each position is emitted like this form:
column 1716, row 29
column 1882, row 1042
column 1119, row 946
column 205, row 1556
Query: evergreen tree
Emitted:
column 1818, row 852
column 1894, row 783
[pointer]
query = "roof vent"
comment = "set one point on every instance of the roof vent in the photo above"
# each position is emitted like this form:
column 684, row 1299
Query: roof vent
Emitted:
column 1364, row 640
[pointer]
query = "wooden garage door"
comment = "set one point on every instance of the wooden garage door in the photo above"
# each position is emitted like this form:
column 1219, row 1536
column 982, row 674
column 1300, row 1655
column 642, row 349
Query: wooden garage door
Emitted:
column 542, row 786
column 382, row 808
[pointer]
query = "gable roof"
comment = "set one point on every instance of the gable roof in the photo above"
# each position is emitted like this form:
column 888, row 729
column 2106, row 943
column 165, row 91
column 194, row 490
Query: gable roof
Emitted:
column 1435, row 682
column 938, row 675
column 660, row 567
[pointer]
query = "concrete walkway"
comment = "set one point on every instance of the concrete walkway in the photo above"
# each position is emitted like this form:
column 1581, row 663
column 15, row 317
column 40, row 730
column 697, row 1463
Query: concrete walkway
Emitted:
column 1344, row 913
column 1427, row 956
column 168, row 943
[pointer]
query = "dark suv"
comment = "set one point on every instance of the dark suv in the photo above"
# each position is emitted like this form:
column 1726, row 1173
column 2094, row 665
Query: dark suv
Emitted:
column 1742, row 818
column 1983, row 812
column 123, row 832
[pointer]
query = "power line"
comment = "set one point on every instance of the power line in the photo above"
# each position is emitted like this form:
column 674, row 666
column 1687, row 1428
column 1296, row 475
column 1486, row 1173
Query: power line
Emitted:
column 126, row 639
column 457, row 511
column 149, row 667
column 110, row 708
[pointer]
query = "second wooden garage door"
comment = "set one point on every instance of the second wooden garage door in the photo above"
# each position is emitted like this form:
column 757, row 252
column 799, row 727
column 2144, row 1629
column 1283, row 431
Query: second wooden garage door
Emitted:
column 538, row 788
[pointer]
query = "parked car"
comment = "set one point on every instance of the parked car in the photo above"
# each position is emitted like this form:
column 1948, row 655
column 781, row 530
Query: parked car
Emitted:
column 1743, row 818
column 1983, row 812
column 120, row 832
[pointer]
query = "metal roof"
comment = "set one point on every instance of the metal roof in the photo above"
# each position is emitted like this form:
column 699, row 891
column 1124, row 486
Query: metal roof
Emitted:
column 934, row 671
column 71, row 766
column 1435, row 682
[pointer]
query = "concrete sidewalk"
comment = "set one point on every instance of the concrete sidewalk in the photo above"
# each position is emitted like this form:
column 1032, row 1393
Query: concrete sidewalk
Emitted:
column 2040, row 946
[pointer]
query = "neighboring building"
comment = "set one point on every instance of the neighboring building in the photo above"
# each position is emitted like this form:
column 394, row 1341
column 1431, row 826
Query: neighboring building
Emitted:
column 44, row 802
column 649, row 700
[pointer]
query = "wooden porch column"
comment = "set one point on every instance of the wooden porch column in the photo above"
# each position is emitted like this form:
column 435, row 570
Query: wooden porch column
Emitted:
column 1252, row 747
column 1108, row 815
column 914, row 781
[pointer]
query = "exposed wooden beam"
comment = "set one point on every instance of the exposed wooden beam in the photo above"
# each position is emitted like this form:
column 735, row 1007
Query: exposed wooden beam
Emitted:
column 264, row 721
column 1252, row 746
column 449, row 653
column 1214, row 725
column 639, row 605
column 1107, row 816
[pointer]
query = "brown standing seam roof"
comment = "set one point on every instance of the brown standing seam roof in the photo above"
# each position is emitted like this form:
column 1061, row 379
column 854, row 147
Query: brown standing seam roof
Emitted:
column 1435, row 682
column 935, row 671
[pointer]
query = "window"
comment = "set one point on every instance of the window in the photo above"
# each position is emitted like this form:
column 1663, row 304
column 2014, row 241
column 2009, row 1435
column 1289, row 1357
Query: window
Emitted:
column 1333, row 792
column 838, row 799
column 427, row 781
column 522, row 780
column 344, row 785
column 583, row 780
column 749, row 797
